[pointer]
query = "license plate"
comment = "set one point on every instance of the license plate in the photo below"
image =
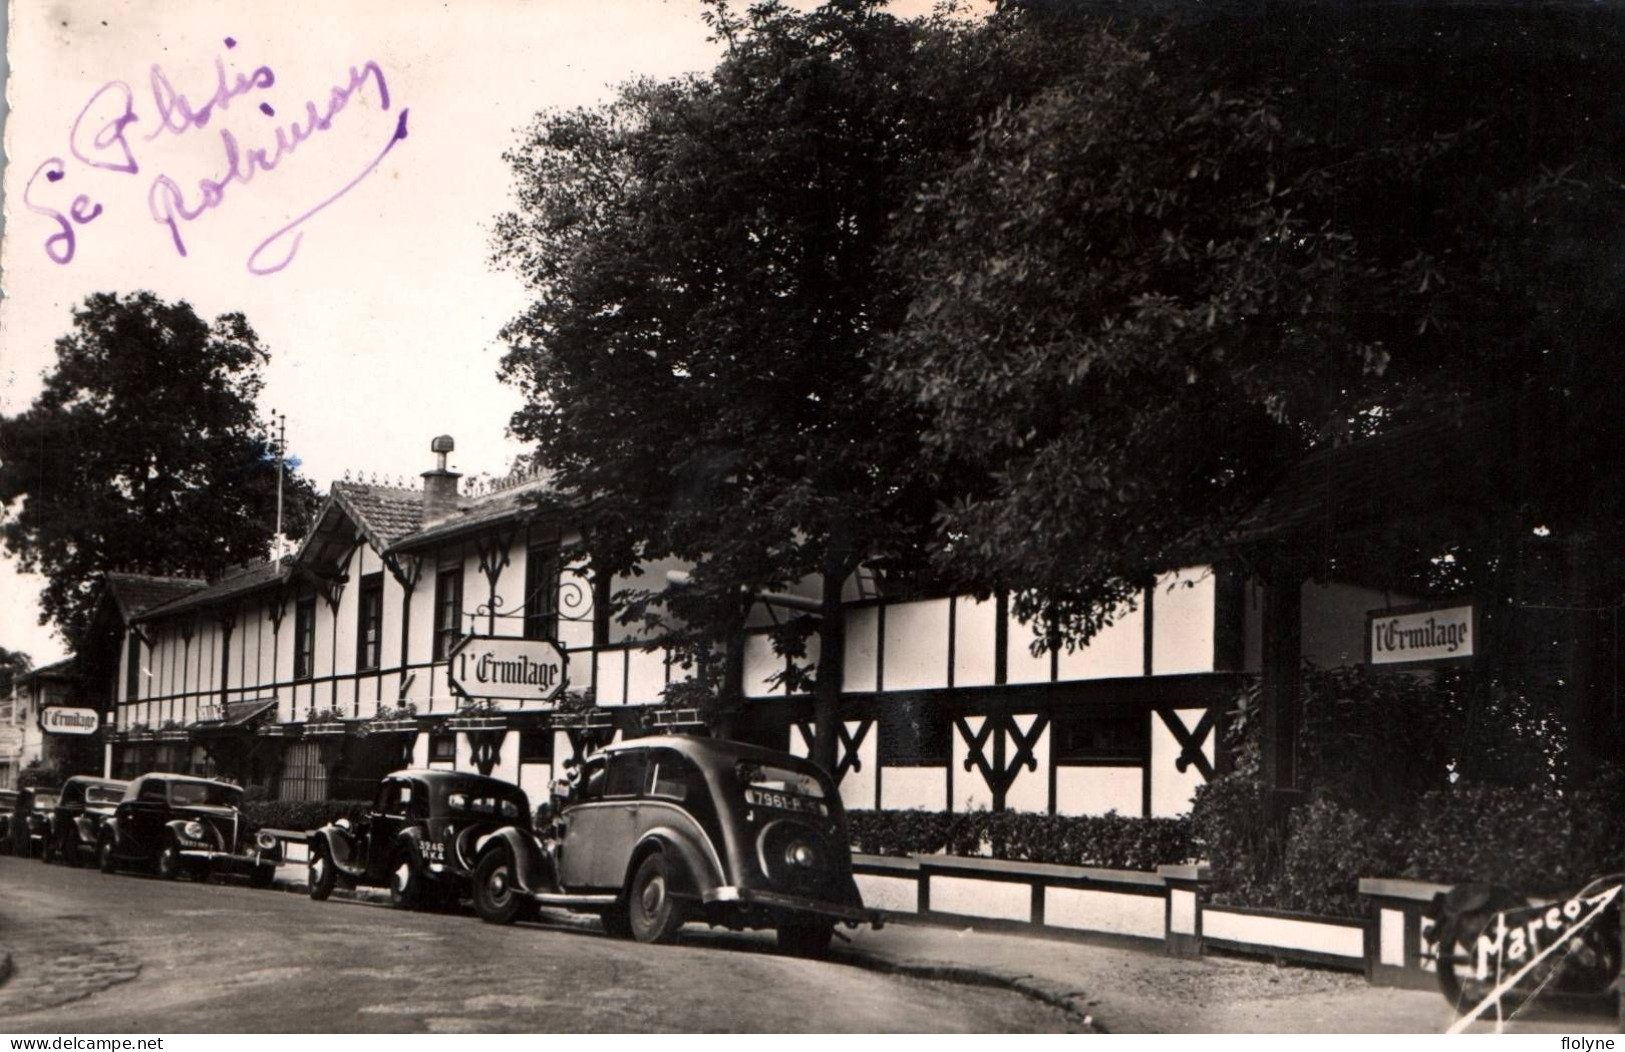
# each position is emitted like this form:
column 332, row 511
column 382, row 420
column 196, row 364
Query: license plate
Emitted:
column 784, row 801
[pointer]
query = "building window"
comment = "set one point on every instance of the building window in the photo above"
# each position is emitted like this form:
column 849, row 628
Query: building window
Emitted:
column 541, row 593
column 443, row 748
column 303, row 776
column 1077, row 738
column 536, row 746
column 369, row 631
column 448, row 609
column 132, row 669
column 304, row 639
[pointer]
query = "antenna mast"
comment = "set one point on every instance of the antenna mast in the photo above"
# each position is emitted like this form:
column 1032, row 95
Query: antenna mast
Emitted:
column 280, row 423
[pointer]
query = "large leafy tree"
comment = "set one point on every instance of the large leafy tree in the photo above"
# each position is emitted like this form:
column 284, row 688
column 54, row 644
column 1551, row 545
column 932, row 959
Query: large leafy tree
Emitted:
column 1214, row 246
column 144, row 453
column 705, row 260
column 13, row 663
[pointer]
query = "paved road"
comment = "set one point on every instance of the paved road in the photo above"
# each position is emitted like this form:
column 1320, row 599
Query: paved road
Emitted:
column 96, row 953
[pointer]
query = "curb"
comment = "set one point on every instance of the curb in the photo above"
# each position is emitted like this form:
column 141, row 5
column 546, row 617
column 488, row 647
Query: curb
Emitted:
column 1072, row 1002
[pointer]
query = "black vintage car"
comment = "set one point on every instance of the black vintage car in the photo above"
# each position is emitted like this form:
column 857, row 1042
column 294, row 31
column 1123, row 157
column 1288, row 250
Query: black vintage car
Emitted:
column 76, row 822
column 658, row 831
column 8, row 807
column 419, row 838
column 31, row 821
column 180, row 825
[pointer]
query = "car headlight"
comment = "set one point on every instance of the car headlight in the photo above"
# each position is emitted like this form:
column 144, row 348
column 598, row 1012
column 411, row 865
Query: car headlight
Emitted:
column 266, row 841
column 801, row 853
column 193, row 830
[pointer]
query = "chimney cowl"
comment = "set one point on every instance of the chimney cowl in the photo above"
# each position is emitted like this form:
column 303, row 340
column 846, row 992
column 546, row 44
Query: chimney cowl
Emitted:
column 440, row 483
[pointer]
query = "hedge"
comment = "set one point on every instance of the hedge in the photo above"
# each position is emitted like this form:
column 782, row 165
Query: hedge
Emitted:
column 302, row 814
column 1109, row 841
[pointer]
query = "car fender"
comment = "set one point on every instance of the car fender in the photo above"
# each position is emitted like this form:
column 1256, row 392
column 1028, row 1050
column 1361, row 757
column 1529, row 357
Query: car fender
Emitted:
column 693, row 870
column 88, row 827
column 177, row 827
column 408, row 845
column 340, row 847
column 112, row 830
column 531, row 867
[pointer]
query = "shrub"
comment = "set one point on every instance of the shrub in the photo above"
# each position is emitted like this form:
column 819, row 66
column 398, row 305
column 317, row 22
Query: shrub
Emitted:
column 302, row 814
column 1110, row 841
column 1328, row 849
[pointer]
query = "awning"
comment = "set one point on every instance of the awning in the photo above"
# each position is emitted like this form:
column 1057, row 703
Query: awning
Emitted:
column 235, row 716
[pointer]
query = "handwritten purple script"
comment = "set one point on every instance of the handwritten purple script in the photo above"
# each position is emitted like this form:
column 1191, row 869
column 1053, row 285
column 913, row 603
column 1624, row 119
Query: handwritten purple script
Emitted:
column 101, row 141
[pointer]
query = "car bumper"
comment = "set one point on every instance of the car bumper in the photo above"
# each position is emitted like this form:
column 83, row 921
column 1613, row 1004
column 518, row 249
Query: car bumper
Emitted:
column 853, row 915
column 226, row 860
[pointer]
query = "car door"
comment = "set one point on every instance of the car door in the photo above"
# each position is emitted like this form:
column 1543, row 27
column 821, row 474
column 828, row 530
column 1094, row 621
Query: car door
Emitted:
column 585, row 821
column 388, row 817
column 144, row 821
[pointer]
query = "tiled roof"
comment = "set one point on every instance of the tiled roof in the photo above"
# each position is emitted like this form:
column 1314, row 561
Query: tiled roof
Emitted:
column 519, row 501
column 385, row 513
column 137, row 593
column 234, row 582
column 63, row 669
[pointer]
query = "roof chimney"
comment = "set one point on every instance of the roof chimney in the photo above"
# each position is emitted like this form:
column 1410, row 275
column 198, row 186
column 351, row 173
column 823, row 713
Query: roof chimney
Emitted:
column 440, row 485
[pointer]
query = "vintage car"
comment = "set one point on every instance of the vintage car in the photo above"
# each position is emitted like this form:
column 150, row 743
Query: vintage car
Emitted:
column 179, row 825
column 31, row 821
column 76, row 822
column 8, row 807
column 662, row 830
column 418, row 839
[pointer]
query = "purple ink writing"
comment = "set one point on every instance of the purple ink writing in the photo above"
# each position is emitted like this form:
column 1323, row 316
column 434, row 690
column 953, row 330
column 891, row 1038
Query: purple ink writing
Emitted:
column 177, row 113
column 62, row 245
column 115, row 98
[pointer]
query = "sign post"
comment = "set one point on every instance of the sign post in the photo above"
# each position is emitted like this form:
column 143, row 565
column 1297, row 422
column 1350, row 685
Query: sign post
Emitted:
column 523, row 670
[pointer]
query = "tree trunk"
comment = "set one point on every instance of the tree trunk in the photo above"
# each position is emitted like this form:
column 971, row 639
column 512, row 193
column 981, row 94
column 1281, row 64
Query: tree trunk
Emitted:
column 831, row 667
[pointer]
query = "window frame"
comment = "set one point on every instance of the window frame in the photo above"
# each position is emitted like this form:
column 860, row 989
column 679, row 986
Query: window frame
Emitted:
column 542, row 592
column 369, row 653
column 304, row 639
column 448, row 600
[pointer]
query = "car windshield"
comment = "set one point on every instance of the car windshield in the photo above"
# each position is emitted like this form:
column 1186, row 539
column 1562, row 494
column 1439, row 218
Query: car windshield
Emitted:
column 487, row 804
column 44, row 801
column 186, row 794
column 103, row 794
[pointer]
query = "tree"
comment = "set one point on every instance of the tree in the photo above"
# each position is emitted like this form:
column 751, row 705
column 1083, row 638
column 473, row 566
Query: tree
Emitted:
column 1219, row 244
column 705, row 258
column 13, row 663
column 144, row 453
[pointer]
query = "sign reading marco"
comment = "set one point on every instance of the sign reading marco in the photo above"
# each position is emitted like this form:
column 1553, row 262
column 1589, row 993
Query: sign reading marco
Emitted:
column 1420, row 634
column 504, row 667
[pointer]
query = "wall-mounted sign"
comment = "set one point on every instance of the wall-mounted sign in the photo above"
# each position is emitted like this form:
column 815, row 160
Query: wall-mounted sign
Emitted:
column 503, row 667
column 11, row 741
column 1420, row 634
column 58, row 719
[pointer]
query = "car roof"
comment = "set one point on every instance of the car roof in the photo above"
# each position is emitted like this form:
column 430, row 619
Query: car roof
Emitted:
column 448, row 779
column 711, row 750
column 90, row 779
column 165, row 776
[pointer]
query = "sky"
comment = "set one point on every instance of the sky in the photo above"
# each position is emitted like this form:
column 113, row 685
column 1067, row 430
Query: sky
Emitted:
column 380, row 309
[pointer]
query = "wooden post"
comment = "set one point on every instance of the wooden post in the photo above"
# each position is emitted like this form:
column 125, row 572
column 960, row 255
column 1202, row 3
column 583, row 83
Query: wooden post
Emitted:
column 1282, row 658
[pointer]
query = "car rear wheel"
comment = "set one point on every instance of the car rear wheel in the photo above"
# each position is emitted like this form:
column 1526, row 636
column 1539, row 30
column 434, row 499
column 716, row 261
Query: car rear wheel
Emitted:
column 806, row 938
column 653, row 913
column 170, row 866
column 497, row 899
column 320, row 872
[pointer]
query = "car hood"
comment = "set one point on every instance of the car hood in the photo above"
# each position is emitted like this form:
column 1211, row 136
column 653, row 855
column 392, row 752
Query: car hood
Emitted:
column 206, row 811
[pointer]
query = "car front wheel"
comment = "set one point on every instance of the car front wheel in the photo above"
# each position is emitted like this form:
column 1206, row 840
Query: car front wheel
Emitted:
column 653, row 913
column 104, row 855
column 496, row 898
column 405, row 886
column 320, row 872
column 169, row 860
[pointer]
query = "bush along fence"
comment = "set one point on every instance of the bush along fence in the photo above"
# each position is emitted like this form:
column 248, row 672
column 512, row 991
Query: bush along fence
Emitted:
column 1340, row 889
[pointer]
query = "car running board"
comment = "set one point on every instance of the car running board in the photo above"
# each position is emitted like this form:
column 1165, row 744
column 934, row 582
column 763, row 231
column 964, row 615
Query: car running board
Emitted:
column 560, row 898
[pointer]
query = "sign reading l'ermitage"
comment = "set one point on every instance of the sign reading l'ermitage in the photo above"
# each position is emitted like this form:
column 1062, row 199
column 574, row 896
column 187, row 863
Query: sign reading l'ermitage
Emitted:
column 524, row 670
column 57, row 719
column 1420, row 634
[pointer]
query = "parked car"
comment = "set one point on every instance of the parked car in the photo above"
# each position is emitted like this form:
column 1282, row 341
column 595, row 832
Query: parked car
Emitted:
column 658, row 831
column 76, row 822
column 419, row 838
column 31, row 821
column 178, row 825
column 8, row 807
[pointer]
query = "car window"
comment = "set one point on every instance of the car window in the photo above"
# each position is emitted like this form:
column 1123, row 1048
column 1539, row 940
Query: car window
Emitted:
column 187, row 794
column 45, row 801
column 592, row 779
column 628, row 773
column 672, row 775
column 485, row 805
column 103, row 794
column 769, row 785
column 152, row 791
